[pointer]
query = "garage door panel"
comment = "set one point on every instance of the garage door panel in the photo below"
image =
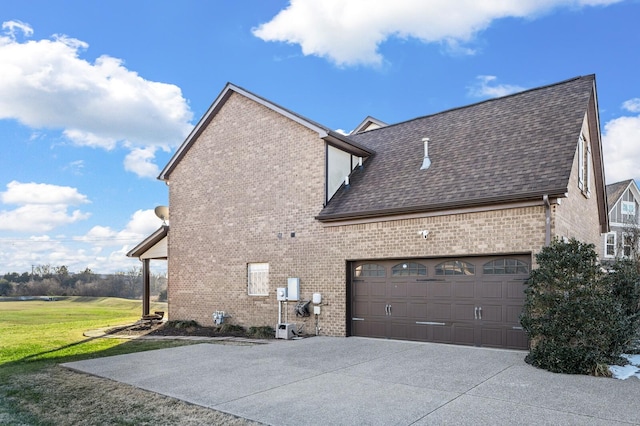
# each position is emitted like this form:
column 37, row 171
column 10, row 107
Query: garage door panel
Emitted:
column 438, row 312
column 418, row 332
column 438, row 290
column 492, row 337
column 464, row 334
column 418, row 310
column 399, row 289
column 481, row 308
column 463, row 312
column 377, row 308
column 378, row 289
column 515, row 289
column 513, row 314
column 491, row 313
column 491, row 290
column 442, row 333
column 398, row 310
column 516, row 339
column 417, row 289
column 464, row 290
column 360, row 309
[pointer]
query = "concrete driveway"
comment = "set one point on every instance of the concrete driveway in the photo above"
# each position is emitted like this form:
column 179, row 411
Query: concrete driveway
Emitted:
column 359, row 381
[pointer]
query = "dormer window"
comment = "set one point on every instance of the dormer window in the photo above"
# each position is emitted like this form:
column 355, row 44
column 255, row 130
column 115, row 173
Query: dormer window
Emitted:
column 340, row 164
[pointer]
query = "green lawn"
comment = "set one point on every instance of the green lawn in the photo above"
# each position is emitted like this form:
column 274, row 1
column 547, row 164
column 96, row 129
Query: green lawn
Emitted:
column 36, row 336
column 42, row 330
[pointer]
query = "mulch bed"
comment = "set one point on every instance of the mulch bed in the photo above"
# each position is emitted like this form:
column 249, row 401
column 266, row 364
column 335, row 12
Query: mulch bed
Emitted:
column 166, row 329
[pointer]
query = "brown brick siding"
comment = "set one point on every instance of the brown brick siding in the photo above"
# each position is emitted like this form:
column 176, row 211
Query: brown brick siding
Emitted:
column 252, row 178
column 577, row 216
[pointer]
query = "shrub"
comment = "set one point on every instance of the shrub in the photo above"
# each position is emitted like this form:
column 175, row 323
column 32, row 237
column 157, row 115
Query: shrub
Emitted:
column 573, row 318
column 264, row 332
column 624, row 281
column 181, row 324
column 232, row 329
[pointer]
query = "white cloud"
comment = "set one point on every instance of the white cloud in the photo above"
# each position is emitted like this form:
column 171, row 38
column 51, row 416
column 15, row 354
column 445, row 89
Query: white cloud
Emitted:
column 41, row 207
column 39, row 218
column 46, row 84
column 102, row 248
column 349, row 32
column 485, row 87
column 632, row 105
column 139, row 161
column 41, row 193
column 621, row 148
column 12, row 27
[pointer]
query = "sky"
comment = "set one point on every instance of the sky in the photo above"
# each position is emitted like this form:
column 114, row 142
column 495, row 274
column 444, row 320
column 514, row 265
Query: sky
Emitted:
column 96, row 96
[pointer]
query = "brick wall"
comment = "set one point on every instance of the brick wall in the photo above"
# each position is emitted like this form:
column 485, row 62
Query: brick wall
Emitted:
column 577, row 216
column 255, row 177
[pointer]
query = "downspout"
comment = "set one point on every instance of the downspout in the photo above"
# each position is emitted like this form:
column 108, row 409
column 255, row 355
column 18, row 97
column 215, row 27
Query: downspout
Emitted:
column 547, row 210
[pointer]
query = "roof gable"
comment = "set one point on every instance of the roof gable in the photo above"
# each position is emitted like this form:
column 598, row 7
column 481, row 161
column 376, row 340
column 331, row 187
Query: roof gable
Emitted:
column 512, row 148
column 615, row 191
column 335, row 138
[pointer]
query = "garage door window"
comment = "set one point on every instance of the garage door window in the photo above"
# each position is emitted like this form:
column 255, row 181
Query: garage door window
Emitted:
column 370, row 270
column 408, row 269
column 505, row 266
column 455, row 267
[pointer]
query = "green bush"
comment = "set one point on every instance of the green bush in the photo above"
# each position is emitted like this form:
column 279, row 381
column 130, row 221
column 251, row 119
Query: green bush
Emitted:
column 624, row 281
column 575, row 321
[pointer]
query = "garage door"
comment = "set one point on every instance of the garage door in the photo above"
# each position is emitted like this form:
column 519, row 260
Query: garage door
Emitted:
column 467, row 301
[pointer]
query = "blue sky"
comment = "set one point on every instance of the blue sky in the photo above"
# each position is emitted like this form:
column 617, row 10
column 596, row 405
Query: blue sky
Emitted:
column 95, row 97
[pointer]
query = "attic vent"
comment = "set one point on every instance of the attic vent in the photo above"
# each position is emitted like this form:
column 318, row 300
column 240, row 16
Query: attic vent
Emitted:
column 426, row 162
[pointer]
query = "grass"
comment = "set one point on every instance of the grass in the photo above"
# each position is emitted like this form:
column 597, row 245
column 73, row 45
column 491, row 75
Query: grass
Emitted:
column 36, row 336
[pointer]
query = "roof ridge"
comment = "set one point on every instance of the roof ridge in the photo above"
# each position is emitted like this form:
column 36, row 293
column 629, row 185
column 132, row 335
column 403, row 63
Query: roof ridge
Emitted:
column 533, row 89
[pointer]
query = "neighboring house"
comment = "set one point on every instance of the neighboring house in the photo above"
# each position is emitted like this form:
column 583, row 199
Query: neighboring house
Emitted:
column 623, row 199
column 403, row 237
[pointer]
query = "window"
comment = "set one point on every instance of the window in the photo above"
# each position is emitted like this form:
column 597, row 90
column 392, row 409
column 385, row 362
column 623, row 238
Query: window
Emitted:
column 408, row 269
column 629, row 208
column 610, row 244
column 584, row 172
column 339, row 166
column 258, row 279
column 505, row 266
column 370, row 270
column 455, row 267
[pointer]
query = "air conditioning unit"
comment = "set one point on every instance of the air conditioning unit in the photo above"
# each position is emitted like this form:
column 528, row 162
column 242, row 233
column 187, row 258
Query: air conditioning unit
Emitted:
column 285, row 331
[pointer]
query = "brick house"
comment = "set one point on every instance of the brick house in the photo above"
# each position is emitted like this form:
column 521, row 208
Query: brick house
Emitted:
column 421, row 230
column 624, row 202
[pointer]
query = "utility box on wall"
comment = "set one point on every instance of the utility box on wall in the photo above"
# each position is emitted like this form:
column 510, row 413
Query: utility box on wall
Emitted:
column 293, row 288
column 284, row 331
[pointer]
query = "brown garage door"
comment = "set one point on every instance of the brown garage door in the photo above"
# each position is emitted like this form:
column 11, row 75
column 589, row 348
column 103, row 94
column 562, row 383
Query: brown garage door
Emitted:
column 468, row 301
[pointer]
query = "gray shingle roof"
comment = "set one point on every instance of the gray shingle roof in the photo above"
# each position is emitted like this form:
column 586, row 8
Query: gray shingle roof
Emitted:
column 615, row 191
column 512, row 148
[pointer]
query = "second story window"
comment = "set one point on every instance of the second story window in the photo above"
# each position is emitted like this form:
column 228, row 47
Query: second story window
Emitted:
column 629, row 208
column 584, row 169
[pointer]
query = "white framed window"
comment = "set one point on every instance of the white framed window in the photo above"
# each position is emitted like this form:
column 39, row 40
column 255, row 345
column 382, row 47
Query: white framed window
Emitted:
column 584, row 170
column 258, row 279
column 610, row 244
column 629, row 208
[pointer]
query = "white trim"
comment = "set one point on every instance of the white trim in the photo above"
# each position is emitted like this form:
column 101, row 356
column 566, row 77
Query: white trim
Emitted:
column 615, row 244
column 258, row 279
